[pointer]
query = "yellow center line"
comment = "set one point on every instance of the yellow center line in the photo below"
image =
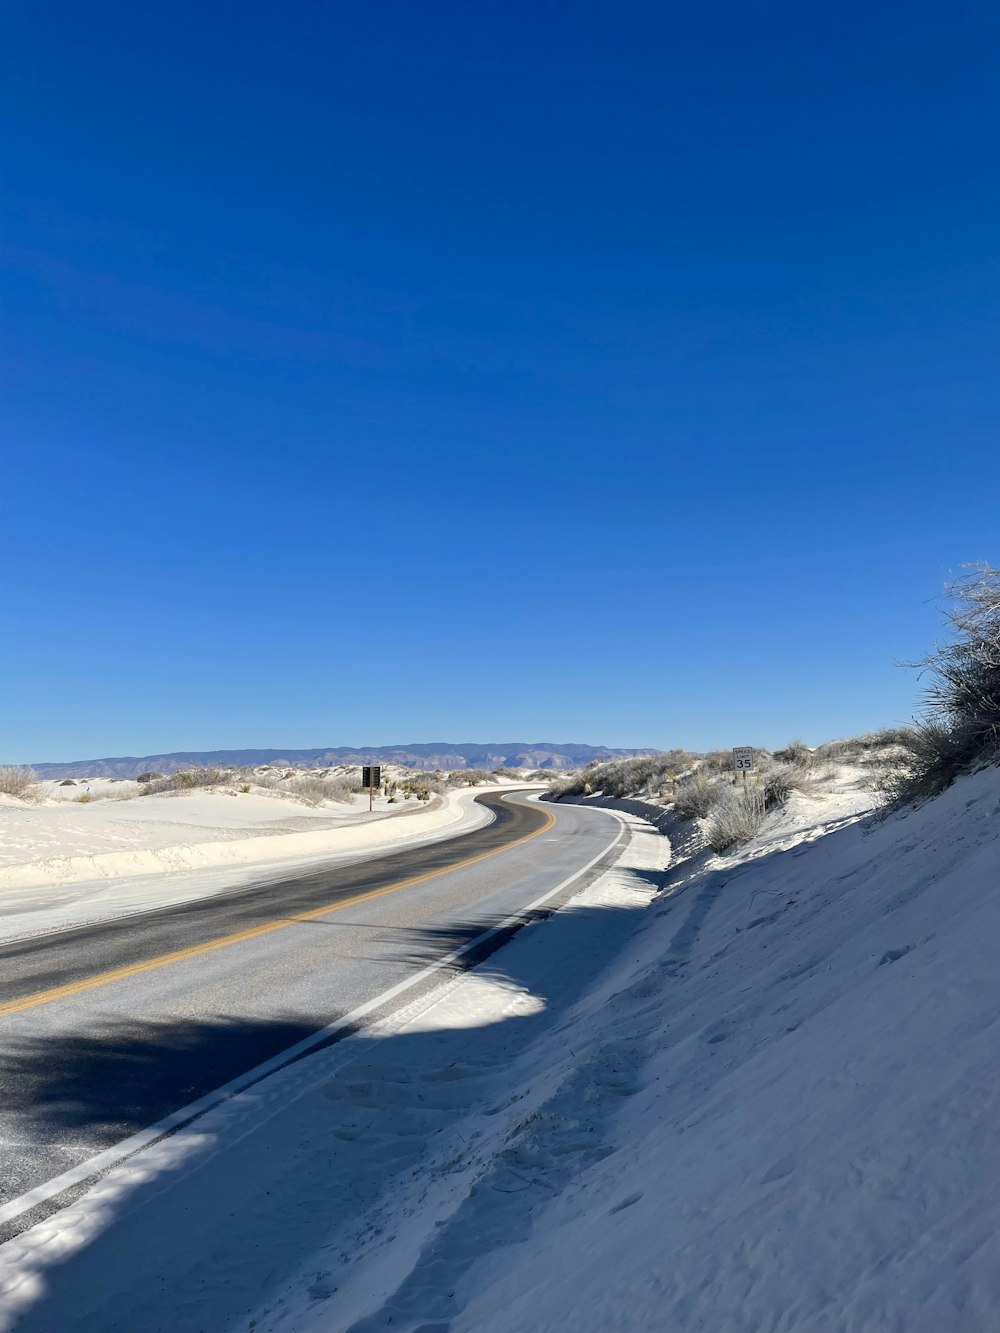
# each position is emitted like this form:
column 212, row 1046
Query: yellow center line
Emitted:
column 253, row 932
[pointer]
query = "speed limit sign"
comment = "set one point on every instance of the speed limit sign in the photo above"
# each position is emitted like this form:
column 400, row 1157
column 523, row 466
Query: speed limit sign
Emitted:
column 743, row 761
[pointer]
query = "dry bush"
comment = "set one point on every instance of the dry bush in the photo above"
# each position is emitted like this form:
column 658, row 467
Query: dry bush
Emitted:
column 735, row 817
column 696, row 796
column 18, row 780
column 795, row 752
column 509, row 774
column 314, row 790
column 469, row 777
column 422, row 782
column 189, row 779
column 961, row 727
column 646, row 774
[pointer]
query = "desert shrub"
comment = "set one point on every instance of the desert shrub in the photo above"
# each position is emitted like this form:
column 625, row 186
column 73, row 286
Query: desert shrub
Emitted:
column 315, row 790
column 511, row 774
column 936, row 755
column 18, row 780
column 961, row 724
column 735, row 817
column 640, row 775
column 542, row 775
column 795, row 752
column 696, row 796
column 868, row 748
column 245, row 787
column 188, row 779
column 149, row 777
column 777, row 784
column 469, row 777
column 419, row 781
column 67, row 782
column 342, row 788
column 716, row 761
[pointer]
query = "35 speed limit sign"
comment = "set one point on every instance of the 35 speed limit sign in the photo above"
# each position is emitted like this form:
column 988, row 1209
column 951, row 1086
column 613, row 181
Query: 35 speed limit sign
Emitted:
column 743, row 761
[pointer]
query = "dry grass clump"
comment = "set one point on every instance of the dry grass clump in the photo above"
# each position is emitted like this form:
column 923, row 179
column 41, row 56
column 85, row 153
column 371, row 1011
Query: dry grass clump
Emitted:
column 735, row 817
column 870, row 748
column 469, row 777
column 695, row 797
column 189, row 779
column 18, row 780
column 314, row 790
column 649, row 775
column 795, row 752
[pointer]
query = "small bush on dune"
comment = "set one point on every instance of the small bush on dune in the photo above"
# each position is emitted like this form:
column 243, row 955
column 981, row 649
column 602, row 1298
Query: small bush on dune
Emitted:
column 735, row 817
column 961, row 727
column 469, row 777
column 778, row 783
column 190, row 779
column 695, row 797
column 18, row 780
column 509, row 774
column 315, row 790
column 796, row 752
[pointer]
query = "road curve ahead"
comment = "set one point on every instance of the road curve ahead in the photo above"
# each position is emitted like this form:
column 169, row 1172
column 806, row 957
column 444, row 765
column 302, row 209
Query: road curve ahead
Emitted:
column 111, row 1029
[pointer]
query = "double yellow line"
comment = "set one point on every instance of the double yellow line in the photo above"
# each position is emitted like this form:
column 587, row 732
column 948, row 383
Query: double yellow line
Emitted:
column 254, row 932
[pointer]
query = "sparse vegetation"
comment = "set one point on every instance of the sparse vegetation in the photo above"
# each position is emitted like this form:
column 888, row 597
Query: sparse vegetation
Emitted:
column 469, row 777
column 695, row 797
column 508, row 774
column 187, row 780
column 961, row 726
column 872, row 747
column 149, row 777
column 84, row 798
column 736, row 816
column 796, row 752
column 315, row 790
column 18, row 780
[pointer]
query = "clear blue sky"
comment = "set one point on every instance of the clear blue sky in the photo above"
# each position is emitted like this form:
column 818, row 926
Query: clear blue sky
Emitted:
column 390, row 372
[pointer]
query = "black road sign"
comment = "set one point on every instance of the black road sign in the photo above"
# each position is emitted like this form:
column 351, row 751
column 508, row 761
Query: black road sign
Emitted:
column 371, row 776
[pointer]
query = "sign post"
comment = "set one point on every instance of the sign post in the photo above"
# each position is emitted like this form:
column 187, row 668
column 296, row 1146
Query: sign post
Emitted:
column 371, row 777
column 744, row 761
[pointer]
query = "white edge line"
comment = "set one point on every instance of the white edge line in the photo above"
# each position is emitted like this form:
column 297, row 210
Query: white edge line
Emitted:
column 136, row 1142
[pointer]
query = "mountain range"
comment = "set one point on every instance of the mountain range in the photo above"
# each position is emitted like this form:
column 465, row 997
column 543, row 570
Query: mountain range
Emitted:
column 436, row 754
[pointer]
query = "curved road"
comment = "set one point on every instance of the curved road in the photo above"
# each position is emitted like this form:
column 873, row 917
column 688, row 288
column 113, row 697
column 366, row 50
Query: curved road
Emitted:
column 114, row 1028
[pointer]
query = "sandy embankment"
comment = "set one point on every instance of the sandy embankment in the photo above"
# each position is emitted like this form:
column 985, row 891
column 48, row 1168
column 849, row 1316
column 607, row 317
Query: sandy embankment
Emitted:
column 65, row 867
column 51, row 846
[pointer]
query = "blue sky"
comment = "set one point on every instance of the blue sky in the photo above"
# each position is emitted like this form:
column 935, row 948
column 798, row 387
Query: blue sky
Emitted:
column 395, row 372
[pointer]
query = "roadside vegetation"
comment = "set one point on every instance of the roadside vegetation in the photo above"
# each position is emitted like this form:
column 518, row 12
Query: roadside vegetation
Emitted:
column 18, row 780
column 960, row 727
column 703, row 789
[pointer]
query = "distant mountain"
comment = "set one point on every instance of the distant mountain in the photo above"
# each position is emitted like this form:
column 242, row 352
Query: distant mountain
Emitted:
column 438, row 754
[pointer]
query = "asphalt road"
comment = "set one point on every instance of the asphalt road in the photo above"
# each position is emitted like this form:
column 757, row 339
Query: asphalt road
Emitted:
column 108, row 1029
